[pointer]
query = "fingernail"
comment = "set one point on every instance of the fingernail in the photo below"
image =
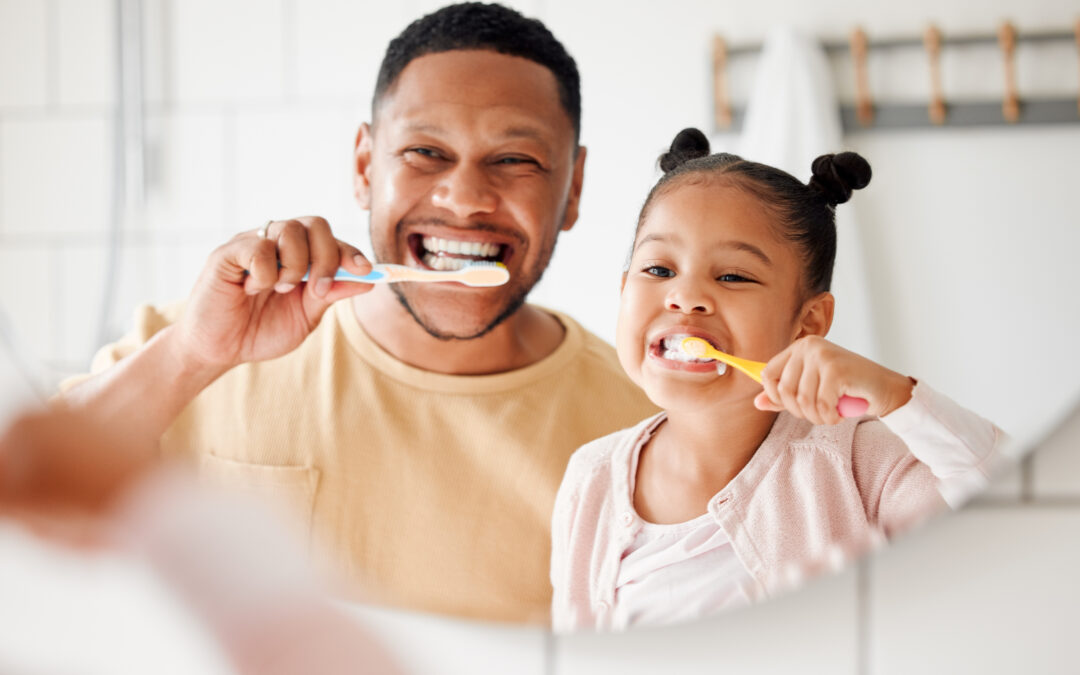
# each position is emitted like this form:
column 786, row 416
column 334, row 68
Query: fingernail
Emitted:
column 284, row 287
column 322, row 287
column 360, row 261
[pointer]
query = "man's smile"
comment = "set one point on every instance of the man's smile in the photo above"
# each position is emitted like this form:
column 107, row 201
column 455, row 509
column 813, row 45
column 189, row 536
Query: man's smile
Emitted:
column 453, row 250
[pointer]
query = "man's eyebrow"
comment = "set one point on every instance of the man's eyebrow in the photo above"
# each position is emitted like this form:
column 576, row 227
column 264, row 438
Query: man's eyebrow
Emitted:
column 525, row 132
column 424, row 128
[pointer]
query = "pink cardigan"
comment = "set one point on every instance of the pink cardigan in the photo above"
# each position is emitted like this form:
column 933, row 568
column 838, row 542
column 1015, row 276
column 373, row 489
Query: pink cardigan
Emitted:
column 810, row 498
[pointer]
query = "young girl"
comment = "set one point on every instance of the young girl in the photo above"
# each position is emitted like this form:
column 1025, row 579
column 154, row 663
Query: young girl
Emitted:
column 739, row 490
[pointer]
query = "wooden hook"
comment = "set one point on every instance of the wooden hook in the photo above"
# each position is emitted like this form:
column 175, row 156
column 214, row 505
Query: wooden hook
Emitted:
column 932, row 43
column 1010, row 104
column 864, row 105
column 721, row 102
column 1076, row 30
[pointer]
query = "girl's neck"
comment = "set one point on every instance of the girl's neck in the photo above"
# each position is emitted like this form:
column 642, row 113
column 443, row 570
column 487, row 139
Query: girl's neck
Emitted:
column 714, row 444
column 694, row 455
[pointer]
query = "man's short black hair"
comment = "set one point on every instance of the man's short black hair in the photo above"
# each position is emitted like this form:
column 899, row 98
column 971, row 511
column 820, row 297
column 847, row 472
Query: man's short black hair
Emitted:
column 475, row 25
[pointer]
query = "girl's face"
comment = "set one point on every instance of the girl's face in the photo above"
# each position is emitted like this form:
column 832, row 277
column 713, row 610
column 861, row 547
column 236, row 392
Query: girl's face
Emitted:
column 710, row 261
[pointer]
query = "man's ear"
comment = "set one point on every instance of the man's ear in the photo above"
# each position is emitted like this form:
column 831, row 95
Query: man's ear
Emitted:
column 573, row 200
column 816, row 315
column 362, row 166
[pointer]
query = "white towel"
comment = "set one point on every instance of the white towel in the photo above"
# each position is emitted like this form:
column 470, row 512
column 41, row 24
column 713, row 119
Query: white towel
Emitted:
column 792, row 117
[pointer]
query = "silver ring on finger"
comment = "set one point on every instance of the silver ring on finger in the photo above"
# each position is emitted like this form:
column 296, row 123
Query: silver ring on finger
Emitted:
column 264, row 230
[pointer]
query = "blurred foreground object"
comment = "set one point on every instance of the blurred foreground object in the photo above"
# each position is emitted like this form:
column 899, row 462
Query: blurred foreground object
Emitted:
column 245, row 578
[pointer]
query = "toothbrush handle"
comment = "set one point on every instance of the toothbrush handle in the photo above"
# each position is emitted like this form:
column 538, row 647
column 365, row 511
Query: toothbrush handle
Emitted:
column 376, row 275
column 849, row 406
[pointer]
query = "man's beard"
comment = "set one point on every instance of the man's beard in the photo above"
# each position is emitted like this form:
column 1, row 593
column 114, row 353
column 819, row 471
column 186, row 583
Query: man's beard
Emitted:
column 515, row 303
column 509, row 308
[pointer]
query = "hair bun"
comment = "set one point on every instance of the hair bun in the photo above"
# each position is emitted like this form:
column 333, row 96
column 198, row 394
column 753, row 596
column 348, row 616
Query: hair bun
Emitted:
column 688, row 144
column 835, row 176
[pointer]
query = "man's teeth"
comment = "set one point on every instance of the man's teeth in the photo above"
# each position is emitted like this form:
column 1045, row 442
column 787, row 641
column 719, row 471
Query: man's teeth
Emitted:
column 475, row 249
column 444, row 263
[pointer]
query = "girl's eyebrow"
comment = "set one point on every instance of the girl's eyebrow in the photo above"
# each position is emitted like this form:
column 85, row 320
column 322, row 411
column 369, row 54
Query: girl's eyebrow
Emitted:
column 748, row 247
column 659, row 237
column 733, row 244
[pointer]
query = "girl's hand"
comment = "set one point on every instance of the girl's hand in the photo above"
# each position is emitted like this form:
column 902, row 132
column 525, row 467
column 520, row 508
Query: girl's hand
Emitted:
column 808, row 378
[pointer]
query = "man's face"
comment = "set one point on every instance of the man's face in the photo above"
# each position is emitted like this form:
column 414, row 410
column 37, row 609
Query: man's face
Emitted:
column 470, row 157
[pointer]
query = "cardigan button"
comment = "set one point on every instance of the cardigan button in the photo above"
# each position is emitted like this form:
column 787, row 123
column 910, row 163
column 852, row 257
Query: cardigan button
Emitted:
column 601, row 607
column 627, row 518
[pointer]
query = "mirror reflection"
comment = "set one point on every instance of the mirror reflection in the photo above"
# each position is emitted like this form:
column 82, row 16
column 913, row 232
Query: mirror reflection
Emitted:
column 557, row 452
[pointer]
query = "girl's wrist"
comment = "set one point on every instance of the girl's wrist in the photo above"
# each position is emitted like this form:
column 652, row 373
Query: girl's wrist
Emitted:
column 900, row 389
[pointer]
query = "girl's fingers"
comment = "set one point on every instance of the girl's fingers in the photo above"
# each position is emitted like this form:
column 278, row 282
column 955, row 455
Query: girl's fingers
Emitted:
column 828, row 397
column 770, row 377
column 807, row 395
column 788, row 386
column 763, row 402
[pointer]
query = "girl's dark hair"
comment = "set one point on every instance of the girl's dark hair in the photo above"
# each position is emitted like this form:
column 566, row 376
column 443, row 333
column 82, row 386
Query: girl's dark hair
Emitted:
column 807, row 212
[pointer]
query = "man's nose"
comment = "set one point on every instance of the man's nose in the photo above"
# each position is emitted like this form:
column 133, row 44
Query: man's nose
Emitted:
column 689, row 297
column 465, row 191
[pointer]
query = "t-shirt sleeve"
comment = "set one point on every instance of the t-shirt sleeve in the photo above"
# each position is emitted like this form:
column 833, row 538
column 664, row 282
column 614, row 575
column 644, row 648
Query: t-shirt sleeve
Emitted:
column 147, row 322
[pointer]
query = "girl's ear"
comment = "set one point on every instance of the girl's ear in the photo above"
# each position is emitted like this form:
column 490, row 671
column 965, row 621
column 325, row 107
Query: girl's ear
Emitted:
column 816, row 315
column 622, row 284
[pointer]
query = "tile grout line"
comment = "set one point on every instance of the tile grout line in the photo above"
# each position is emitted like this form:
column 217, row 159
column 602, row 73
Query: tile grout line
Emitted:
column 290, row 79
column 52, row 55
column 862, row 617
column 549, row 653
column 1027, row 478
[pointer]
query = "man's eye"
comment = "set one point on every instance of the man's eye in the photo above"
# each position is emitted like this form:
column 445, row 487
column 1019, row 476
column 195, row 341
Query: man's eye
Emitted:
column 516, row 160
column 659, row 271
column 424, row 152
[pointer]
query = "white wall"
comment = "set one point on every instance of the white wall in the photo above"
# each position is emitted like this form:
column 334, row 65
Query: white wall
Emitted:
column 970, row 236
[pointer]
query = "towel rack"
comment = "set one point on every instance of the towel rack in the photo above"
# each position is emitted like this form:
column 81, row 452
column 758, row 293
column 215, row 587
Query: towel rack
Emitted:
column 938, row 111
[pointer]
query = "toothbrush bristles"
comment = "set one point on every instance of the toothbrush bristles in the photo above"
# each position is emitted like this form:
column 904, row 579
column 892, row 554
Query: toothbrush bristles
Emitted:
column 695, row 347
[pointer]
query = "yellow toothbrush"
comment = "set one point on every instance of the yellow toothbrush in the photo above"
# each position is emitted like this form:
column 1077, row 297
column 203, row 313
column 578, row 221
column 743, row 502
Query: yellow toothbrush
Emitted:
column 848, row 406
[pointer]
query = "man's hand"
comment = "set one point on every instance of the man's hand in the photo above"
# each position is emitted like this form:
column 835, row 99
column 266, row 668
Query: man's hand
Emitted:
column 249, row 303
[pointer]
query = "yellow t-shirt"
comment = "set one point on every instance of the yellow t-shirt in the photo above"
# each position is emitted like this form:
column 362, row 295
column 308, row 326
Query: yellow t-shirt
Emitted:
column 430, row 491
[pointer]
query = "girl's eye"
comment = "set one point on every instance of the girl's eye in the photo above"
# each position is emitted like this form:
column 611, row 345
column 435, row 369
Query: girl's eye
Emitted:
column 659, row 271
column 732, row 278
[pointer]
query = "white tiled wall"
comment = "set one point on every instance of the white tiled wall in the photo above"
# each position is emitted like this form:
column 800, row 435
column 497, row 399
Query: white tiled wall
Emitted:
column 252, row 108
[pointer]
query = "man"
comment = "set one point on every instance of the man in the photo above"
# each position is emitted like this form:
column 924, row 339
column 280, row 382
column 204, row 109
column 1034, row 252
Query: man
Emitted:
column 419, row 430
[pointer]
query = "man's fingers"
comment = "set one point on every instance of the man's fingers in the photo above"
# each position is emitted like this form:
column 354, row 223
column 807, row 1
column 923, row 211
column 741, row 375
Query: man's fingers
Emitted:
column 293, row 254
column 353, row 260
column 262, row 267
column 325, row 256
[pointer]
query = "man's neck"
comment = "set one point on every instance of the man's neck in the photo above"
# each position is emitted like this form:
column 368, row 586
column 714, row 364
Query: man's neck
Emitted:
column 523, row 338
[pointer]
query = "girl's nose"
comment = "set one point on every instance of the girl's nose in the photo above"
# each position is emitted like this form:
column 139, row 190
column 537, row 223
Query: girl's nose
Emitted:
column 689, row 298
column 465, row 192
